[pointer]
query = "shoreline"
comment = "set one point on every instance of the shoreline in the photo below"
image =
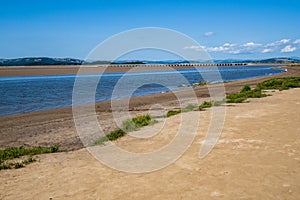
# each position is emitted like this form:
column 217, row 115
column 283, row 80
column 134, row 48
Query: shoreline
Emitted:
column 92, row 69
column 56, row 126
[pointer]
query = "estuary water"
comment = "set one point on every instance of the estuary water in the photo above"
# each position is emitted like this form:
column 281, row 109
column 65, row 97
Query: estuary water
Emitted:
column 22, row 94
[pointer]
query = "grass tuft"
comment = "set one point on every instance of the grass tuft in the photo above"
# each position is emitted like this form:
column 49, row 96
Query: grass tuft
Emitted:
column 274, row 83
column 127, row 126
column 280, row 83
column 188, row 108
column 114, row 135
column 205, row 104
column 17, row 152
column 137, row 122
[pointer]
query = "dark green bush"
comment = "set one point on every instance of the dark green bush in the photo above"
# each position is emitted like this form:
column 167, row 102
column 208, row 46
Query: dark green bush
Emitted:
column 142, row 120
column 16, row 152
column 202, row 83
column 246, row 88
column 280, row 83
column 18, row 165
column 205, row 104
column 244, row 94
column 114, row 135
column 137, row 122
column 173, row 112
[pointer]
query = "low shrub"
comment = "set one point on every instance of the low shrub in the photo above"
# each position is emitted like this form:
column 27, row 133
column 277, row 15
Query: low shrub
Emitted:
column 188, row 108
column 280, row 83
column 244, row 94
column 17, row 152
column 202, row 83
column 206, row 104
column 127, row 126
column 114, row 135
column 246, row 88
column 137, row 122
column 173, row 112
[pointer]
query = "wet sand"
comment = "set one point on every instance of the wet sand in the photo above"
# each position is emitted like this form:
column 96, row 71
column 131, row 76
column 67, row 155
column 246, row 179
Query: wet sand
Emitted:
column 86, row 69
column 256, row 157
column 73, row 69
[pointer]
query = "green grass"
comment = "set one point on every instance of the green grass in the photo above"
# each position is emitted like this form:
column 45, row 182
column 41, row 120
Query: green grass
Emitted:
column 17, row 152
column 245, row 93
column 137, row 122
column 114, row 135
column 16, row 165
column 209, row 104
column 274, row 83
column 127, row 126
column 206, row 104
column 246, row 88
column 188, row 108
column 173, row 112
column 280, row 83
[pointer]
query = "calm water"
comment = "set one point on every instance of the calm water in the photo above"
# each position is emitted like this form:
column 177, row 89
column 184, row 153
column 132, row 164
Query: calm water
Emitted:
column 21, row 94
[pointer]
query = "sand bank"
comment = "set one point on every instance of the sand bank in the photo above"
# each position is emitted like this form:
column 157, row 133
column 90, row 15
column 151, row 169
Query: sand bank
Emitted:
column 257, row 157
column 73, row 69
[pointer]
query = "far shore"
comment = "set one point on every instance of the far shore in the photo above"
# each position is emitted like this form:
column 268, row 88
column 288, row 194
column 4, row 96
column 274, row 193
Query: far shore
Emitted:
column 73, row 69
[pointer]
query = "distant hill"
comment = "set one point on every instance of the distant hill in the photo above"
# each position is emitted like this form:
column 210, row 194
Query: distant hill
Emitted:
column 279, row 60
column 36, row 61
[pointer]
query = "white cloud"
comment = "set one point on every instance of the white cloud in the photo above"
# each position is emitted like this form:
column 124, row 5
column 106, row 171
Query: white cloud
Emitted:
column 229, row 45
column 196, row 48
column 288, row 49
column 278, row 43
column 283, row 46
column 251, row 44
column 217, row 49
column 297, row 41
column 207, row 34
column 267, row 50
column 284, row 41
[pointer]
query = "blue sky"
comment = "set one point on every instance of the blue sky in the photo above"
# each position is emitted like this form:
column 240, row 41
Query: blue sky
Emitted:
column 226, row 29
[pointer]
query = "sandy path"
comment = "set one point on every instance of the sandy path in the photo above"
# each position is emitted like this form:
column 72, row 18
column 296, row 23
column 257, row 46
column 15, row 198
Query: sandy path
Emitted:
column 257, row 157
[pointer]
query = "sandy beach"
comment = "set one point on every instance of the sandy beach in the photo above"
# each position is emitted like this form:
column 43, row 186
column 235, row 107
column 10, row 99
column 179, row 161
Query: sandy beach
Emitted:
column 256, row 157
column 73, row 69
column 167, row 100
